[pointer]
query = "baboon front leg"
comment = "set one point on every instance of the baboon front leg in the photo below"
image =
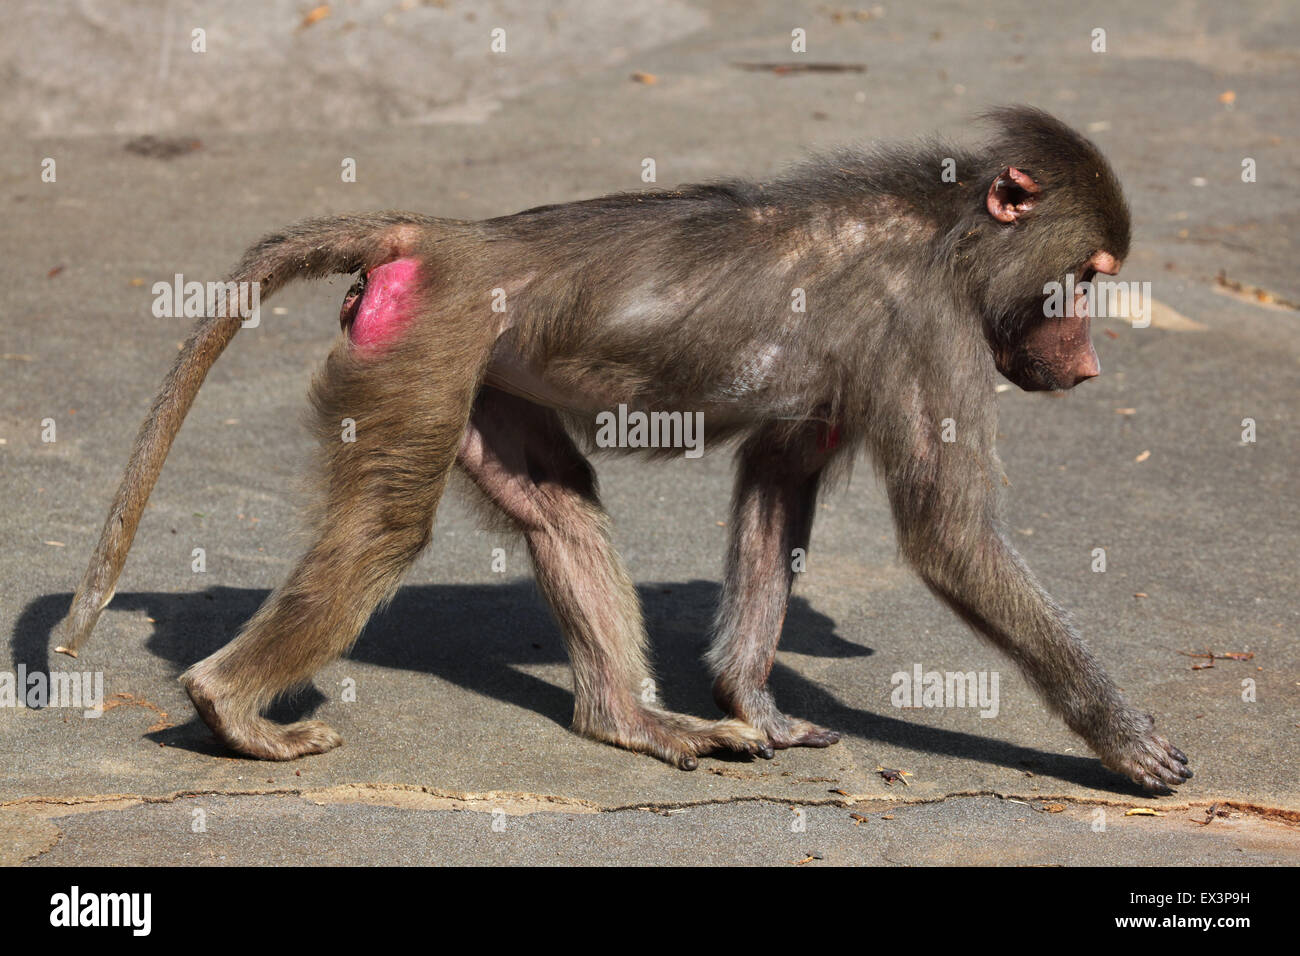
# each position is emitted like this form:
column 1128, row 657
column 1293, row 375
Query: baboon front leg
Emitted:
column 977, row 572
column 520, row 456
column 771, row 515
column 382, row 490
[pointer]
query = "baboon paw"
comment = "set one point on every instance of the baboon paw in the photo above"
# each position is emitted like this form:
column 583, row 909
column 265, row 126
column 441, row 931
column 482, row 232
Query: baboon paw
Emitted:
column 784, row 732
column 758, row 709
column 803, row 733
column 680, row 739
column 687, row 738
column 1150, row 761
column 300, row 739
column 266, row 740
column 255, row 736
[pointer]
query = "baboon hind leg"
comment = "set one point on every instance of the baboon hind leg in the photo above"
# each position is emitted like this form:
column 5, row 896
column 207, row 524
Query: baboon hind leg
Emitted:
column 520, row 456
column 771, row 515
column 381, row 492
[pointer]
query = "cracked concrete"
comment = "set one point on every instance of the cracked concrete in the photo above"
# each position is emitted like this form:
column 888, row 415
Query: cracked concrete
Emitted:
column 458, row 697
column 192, row 827
column 349, row 828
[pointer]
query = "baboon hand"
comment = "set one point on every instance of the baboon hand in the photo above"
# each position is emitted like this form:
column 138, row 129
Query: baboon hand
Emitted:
column 1147, row 758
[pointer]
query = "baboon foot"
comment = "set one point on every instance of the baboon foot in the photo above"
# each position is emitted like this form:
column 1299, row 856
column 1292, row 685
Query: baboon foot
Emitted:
column 253, row 735
column 1146, row 758
column 788, row 731
column 758, row 709
column 677, row 739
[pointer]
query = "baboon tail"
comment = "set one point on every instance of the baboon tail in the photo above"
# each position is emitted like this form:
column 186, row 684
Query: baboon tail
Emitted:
column 311, row 249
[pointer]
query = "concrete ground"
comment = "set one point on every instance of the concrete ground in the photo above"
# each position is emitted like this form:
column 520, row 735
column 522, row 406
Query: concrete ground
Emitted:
column 455, row 703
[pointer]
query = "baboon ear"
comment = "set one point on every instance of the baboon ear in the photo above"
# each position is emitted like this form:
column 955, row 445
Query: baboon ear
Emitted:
column 1011, row 195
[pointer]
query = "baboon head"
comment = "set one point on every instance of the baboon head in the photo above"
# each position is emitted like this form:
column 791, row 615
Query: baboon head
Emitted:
column 1052, row 212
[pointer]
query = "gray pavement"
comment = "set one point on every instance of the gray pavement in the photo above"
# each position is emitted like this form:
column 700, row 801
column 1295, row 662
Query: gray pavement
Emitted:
column 462, row 693
column 314, row 830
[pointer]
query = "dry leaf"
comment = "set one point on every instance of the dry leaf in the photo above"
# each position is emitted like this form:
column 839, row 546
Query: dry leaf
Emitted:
column 1143, row 812
column 891, row 776
column 1210, row 657
column 161, row 147
column 315, row 15
column 122, row 698
column 1212, row 811
column 649, row 79
column 791, row 69
column 1251, row 294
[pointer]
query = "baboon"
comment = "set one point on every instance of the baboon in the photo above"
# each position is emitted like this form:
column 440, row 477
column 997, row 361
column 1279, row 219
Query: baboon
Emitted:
column 917, row 289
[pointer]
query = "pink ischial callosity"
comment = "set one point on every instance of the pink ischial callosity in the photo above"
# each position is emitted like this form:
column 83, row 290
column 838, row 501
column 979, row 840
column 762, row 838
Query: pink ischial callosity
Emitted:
column 385, row 307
